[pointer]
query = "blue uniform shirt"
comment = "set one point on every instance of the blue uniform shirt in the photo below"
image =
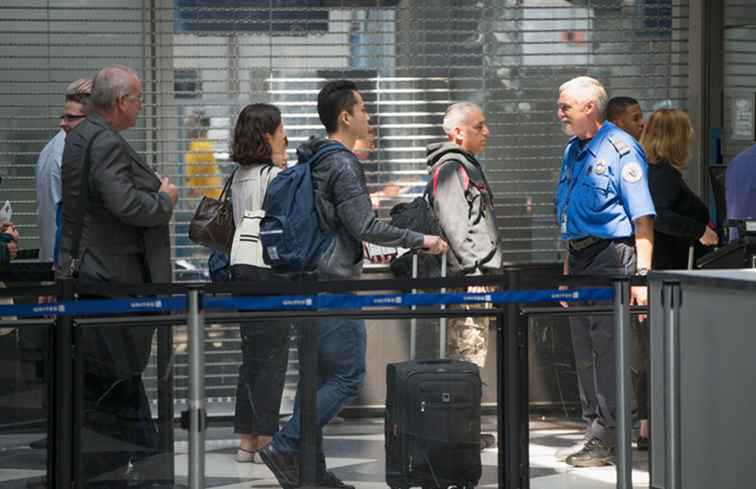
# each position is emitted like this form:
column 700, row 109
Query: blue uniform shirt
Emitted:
column 603, row 186
column 740, row 187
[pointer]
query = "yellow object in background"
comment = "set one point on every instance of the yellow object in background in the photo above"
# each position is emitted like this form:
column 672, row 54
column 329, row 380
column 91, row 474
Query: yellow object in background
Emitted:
column 203, row 177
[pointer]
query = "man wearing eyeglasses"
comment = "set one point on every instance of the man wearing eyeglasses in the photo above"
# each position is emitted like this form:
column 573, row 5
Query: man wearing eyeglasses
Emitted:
column 48, row 166
column 118, row 233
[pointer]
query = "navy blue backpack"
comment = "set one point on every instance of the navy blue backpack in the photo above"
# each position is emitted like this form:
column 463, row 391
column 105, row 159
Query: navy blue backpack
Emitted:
column 290, row 234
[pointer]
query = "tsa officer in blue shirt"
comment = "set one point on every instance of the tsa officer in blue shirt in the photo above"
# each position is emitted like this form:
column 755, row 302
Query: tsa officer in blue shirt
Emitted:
column 605, row 212
column 740, row 188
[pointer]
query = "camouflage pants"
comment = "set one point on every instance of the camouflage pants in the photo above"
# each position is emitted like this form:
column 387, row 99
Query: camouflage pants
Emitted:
column 467, row 337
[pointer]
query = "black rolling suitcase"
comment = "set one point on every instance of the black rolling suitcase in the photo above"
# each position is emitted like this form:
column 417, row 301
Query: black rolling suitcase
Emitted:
column 433, row 424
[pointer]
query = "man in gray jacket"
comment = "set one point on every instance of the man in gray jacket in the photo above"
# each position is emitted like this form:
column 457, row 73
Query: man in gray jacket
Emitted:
column 344, row 208
column 123, row 238
column 463, row 203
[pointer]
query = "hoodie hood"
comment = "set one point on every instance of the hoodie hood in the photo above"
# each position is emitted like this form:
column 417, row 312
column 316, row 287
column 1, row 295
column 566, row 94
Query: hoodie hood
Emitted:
column 435, row 151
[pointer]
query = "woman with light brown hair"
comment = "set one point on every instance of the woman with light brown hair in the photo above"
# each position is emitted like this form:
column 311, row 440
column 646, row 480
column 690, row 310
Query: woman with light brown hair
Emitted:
column 682, row 218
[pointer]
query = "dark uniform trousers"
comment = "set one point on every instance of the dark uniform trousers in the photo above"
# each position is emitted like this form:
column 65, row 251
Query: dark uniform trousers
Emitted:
column 593, row 337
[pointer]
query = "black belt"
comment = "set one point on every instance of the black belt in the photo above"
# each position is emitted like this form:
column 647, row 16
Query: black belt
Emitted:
column 583, row 243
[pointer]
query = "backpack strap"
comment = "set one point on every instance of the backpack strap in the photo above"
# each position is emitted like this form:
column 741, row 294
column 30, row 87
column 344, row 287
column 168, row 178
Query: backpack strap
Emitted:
column 468, row 167
column 78, row 225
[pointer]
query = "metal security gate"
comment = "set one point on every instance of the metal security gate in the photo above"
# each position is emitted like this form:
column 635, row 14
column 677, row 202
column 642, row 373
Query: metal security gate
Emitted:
column 203, row 60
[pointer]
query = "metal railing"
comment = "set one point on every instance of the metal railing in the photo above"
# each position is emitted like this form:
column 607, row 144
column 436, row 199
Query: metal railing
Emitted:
column 196, row 304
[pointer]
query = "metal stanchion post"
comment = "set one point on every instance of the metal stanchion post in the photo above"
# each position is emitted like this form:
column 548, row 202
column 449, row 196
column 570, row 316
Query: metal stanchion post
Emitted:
column 60, row 473
column 196, row 323
column 413, row 321
column 673, row 298
column 512, row 379
column 165, row 399
column 308, row 384
column 442, row 322
column 624, row 391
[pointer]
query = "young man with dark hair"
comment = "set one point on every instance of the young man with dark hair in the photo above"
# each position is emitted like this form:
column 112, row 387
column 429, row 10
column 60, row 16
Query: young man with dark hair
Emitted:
column 626, row 113
column 336, row 97
column 345, row 210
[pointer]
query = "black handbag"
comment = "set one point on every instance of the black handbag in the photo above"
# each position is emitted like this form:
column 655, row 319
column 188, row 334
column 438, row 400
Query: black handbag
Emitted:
column 213, row 222
column 418, row 216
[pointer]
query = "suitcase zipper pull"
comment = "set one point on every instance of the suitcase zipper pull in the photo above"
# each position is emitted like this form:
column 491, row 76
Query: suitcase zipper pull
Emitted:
column 422, row 406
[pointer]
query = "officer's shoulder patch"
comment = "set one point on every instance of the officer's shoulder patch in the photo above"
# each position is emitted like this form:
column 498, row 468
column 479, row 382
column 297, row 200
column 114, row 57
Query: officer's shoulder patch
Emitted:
column 622, row 147
column 632, row 172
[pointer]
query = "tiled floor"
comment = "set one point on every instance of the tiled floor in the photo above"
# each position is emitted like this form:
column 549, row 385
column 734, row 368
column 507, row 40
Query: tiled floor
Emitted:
column 355, row 452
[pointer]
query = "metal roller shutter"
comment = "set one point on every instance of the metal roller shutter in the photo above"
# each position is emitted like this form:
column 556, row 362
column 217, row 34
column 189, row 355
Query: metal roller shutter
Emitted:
column 203, row 60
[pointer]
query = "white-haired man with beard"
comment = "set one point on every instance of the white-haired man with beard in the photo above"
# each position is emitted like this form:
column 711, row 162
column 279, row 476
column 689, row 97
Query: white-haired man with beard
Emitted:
column 605, row 212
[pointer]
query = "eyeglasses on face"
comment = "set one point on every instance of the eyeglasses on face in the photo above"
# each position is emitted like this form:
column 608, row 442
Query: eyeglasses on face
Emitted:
column 72, row 117
column 138, row 98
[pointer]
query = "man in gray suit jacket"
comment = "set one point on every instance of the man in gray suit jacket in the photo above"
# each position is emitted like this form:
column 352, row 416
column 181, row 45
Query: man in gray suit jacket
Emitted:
column 123, row 239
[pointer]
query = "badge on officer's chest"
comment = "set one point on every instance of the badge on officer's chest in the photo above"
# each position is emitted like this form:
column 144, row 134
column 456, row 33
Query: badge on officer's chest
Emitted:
column 600, row 167
column 632, row 172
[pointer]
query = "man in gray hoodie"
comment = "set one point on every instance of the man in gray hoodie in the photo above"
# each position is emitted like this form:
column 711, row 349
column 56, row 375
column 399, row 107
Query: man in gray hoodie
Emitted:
column 345, row 210
column 463, row 203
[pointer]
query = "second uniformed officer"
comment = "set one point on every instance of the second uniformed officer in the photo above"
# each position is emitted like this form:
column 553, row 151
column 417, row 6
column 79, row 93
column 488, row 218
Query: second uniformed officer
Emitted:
column 606, row 213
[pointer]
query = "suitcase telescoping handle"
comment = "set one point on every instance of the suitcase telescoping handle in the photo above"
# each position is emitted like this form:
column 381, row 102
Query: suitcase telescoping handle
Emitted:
column 436, row 361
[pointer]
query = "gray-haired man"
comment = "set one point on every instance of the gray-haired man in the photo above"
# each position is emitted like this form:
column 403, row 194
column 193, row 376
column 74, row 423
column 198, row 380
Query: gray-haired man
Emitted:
column 124, row 238
column 463, row 203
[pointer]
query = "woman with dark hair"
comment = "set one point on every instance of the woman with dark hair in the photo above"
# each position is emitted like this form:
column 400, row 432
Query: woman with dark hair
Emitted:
column 681, row 216
column 259, row 148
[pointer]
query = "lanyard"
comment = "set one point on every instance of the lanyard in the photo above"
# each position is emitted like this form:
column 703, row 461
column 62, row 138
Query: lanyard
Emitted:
column 572, row 177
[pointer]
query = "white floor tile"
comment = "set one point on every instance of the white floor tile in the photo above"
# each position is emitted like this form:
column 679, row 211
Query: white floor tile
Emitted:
column 593, row 478
column 13, row 474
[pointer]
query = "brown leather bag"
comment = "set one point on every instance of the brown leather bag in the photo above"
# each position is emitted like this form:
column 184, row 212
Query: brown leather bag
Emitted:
column 213, row 222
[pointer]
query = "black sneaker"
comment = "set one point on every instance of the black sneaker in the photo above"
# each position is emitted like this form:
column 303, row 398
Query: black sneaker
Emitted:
column 285, row 466
column 487, row 440
column 565, row 452
column 594, row 454
column 328, row 479
column 643, row 443
column 39, row 444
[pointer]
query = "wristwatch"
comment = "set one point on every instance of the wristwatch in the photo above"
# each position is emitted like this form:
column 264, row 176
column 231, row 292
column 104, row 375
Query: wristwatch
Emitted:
column 642, row 272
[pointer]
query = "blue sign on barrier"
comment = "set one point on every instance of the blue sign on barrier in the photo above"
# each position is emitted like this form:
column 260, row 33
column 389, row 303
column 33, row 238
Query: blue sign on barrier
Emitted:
column 96, row 306
column 302, row 302
column 352, row 301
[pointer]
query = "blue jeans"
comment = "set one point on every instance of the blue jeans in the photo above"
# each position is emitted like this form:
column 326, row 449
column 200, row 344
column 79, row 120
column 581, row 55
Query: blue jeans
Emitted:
column 341, row 366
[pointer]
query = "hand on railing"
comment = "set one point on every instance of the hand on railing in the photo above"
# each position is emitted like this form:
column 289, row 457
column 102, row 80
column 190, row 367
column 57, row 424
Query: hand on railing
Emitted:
column 639, row 297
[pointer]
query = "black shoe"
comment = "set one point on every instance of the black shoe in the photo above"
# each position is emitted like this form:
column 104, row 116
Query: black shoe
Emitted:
column 40, row 444
column 642, row 443
column 487, row 440
column 285, row 466
column 565, row 452
column 328, row 479
column 595, row 454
